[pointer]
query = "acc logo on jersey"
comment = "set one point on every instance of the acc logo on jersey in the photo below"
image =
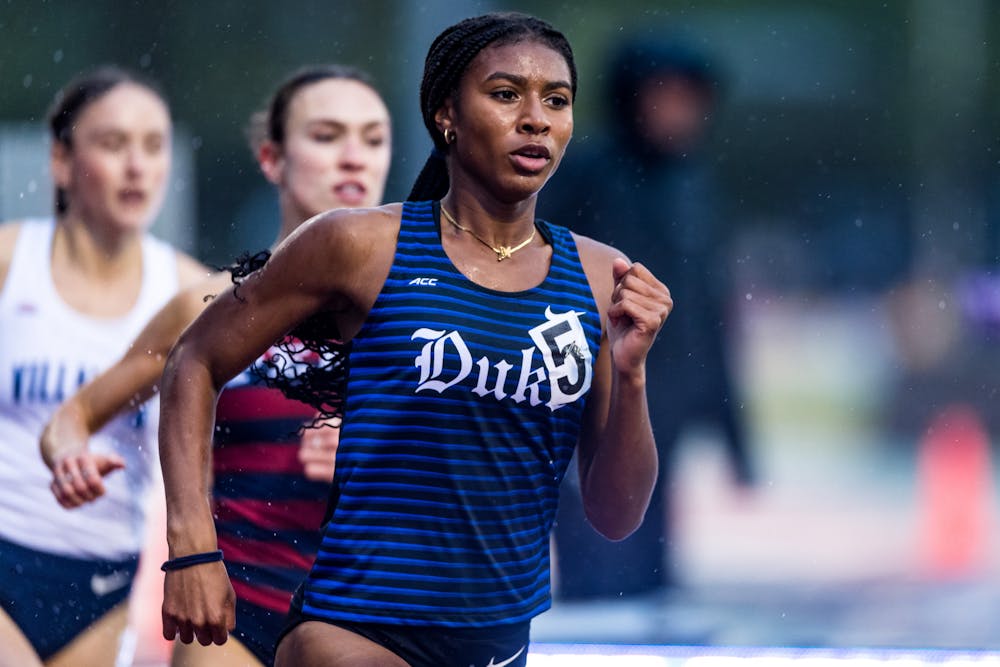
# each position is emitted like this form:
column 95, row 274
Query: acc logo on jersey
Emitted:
column 566, row 363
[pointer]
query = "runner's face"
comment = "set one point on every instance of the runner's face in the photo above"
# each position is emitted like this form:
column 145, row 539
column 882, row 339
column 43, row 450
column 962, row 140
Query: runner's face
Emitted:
column 337, row 147
column 115, row 171
column 513, row 118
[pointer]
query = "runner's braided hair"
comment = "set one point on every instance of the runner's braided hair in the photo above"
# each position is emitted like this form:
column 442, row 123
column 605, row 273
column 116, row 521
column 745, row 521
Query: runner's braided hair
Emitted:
column 312, row 360
column 447, row 60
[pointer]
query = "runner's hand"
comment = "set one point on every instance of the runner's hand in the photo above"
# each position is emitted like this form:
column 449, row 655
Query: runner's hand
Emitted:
column 198, row 603
column 77, row 479
column 640, row 305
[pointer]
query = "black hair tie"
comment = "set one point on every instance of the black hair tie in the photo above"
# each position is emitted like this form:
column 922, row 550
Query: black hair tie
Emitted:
column 192, row 559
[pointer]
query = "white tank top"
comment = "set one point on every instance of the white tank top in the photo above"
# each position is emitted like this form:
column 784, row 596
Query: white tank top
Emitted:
column 47, row 350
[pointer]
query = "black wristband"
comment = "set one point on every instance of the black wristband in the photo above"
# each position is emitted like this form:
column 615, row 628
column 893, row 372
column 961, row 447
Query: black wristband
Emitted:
column 192, row 559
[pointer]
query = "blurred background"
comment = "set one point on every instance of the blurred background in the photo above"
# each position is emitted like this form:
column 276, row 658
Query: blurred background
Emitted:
column 843, row 494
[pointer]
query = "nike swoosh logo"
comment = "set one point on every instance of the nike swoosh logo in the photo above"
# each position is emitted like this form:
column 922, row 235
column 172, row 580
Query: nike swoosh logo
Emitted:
column 101, row 585
column 507, row 661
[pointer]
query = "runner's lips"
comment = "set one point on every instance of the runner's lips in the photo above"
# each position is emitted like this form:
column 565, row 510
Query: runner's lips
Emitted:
column 534, row 151
column 132, row 196
column 531, row 158
column 350, row 191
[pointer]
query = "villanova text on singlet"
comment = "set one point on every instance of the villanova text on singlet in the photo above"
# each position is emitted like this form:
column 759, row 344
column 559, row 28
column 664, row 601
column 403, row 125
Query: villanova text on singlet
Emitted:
column 48, row 349
column 463, row 408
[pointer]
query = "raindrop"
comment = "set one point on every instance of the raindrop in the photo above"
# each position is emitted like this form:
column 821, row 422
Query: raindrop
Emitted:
column 749, row 296
column 145, row 60
column 57, row 56
column 26, row 82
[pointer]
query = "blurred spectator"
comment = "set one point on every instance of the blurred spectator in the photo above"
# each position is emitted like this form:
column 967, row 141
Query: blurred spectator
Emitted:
column 646, row 186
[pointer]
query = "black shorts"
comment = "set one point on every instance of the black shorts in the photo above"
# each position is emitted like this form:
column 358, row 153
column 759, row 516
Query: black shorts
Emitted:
column 435, row 646
column 258, row 629
column 52, row 599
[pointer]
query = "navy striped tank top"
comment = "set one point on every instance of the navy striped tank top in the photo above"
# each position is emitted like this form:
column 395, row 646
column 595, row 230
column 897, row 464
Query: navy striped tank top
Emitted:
column 463, row 407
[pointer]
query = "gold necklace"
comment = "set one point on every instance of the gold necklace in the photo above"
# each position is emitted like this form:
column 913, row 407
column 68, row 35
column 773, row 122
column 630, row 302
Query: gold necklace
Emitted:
column 504, row 251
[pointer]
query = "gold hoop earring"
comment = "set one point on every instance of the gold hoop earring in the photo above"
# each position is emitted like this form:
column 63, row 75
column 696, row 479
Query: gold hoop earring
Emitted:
column 449, row 135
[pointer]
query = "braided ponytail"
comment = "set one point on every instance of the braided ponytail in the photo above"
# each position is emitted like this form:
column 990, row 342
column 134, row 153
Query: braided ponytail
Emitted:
column 432, row 181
